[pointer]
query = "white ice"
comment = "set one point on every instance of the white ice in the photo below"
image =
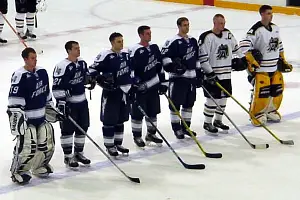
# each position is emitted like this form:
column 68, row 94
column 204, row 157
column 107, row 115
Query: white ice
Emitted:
column 242, row 173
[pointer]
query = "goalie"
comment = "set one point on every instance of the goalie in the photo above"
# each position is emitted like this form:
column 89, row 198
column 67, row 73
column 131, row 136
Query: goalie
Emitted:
column 266, row 63
column 29, row 101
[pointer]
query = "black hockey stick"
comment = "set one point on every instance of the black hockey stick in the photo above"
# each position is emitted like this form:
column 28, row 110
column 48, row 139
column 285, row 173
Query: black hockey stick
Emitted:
column 136, row 180
column 285, row 142
column 61, row 116
column 254, row 146
column 208, row 155
column 187, row 166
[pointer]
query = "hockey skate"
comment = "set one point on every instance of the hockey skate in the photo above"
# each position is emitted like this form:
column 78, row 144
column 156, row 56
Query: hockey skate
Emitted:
column 71, row 163
column 21, row 178
column 274, row 116
column 112, row 151
column 179, row 134
column 153, row 138
column 22, row 36
column 219, row 124
column 122, row 150
column 30, row 35
column 188, row 134
column 139, row 142
column 210, row 129
column 79, row 157
column 2, row 41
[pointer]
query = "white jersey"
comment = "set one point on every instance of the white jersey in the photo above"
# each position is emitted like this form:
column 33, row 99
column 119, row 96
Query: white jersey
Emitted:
column 216, row 52
column 267, row 41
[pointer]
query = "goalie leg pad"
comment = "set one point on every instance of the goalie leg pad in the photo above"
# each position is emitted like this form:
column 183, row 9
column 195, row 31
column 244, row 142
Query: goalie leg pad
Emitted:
column 277, row 87
column 260, row 98
column 24, row 152
column 45, row 151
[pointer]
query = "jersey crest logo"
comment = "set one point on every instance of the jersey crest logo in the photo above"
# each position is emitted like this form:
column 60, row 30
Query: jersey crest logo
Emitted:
column 14, row 79
column 141, row 51
column 167, row 43
column 58, row 70
column 111, row 56
column 273, row 44
column 223, row 52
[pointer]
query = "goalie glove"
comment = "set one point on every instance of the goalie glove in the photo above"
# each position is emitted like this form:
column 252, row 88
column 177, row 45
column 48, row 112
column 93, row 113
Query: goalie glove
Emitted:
column 41, row 6
column 253, row 60
column 283, row 65
column 17, row 121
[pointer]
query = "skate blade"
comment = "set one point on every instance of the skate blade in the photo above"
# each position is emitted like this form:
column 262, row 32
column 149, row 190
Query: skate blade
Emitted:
column 153, row 144
column 223, row 131
column 72, row 168
column 211, row 134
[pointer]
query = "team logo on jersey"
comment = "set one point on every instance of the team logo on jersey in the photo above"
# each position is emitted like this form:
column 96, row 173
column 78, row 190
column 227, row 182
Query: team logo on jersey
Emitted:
column 70, row 67
column 223, row 52
column 141, row 51
column 28, row 75
column 273, row 44
column 111, row 56
column 167, row 43
column 58, row 70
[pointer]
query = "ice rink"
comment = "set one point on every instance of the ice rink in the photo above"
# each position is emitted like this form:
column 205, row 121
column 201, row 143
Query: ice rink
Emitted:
column 242, row 174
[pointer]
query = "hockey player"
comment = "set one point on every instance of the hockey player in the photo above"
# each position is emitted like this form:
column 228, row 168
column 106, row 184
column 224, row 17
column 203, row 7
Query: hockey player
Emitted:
column 25, row 8
column 217, row 47
column 29, row 98
column 112, row 70
column 150, row 80
column 3, row 10
column 180, row 59
column 266, row 74
column 69, row 79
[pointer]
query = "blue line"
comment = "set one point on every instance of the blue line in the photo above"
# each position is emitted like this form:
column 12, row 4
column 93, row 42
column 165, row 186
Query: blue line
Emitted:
column 138, row 155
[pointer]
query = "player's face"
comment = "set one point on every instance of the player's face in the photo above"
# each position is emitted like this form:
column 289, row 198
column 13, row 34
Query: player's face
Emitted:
column 184, row 27
column 267, row 15
column 146, row 36
column 220, row 23
column 31, row 60
column 75, row 51
column 117, row 43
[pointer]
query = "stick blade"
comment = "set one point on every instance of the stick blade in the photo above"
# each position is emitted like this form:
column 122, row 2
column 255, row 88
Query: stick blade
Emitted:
column 213, row 155
column 196, row 166
column 287, row 142
column 260, row 146
column 135, row 180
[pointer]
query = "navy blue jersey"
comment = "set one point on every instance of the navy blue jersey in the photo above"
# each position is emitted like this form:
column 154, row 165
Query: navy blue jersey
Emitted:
column 30, row 91
column 69, row 80
column 117, row 64
column 146, row 63
column 187, row 50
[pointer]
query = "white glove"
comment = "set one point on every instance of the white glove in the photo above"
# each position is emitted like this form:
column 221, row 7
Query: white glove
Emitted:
column 41, row 5
column 17, row 121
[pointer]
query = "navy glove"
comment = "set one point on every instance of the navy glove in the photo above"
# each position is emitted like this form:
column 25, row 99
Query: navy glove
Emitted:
column 211, row 78
column 162, row 89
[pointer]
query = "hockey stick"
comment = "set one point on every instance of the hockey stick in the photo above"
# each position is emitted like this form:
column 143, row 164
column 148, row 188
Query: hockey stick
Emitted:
column 135, row 180
column 187, row 166
column 208, row 155
column 254, row 146
column 285, row 142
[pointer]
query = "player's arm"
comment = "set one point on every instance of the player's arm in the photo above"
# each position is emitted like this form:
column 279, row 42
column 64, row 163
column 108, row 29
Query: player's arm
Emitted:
column 246, row 45
column 16, row 104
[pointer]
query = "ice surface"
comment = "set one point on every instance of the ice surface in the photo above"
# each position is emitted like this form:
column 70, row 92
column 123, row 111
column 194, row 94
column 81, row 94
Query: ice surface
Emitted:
column 242, row 173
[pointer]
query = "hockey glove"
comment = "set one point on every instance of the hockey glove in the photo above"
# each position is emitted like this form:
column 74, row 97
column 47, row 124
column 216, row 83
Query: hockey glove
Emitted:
column 131, row 95
column 211, row 78
column 106, row 81
column 63, row 108
column 283, row 65
column 239, row 64
column 17, row 121
column 179, row 68
column 252, row 62
column 89, row 80
column 163, row 88
column 52, row 114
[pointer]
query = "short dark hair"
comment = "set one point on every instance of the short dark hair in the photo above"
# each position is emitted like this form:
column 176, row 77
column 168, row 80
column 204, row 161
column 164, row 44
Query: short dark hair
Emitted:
column 69, row 44
column 263, row 8
column 114, row 35
column 141, row 29
column 219, row 15
column 27, row 51
column 180, row 20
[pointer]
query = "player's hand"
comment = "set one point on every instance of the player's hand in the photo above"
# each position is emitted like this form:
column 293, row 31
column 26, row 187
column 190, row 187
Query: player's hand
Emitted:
column 63, row 108
column 212, row 78
column 252, row 63
column 162, row 89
